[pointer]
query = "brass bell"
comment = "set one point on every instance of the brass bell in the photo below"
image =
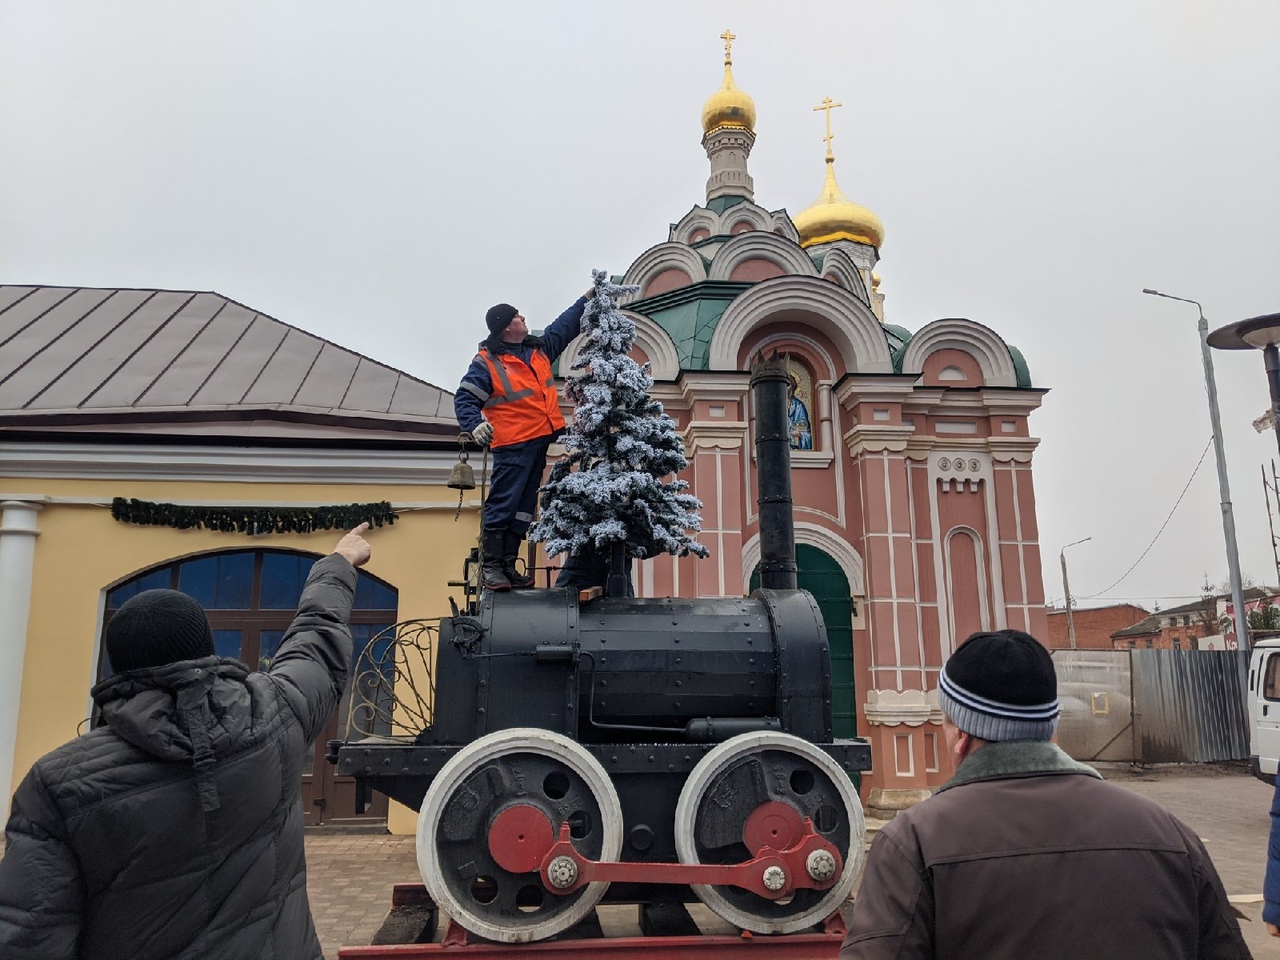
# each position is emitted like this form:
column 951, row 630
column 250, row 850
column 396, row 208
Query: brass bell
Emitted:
column 462, row 477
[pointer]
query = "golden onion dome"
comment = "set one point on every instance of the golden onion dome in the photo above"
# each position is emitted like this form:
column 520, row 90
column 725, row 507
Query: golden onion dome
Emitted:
column 728, row 106
column 833, row 216
column 875, row 280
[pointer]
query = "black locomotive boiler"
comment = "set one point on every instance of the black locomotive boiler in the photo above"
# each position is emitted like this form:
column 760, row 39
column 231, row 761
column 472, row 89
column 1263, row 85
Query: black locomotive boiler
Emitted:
column 634, row 750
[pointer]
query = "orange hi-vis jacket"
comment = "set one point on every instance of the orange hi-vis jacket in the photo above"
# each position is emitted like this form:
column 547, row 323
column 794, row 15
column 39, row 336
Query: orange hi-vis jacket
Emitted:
column 524, row 403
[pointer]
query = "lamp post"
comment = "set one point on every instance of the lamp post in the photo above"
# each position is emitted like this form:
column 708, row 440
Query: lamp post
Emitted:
column 1066, row 590
column 1258, row 333
column 1224, row 488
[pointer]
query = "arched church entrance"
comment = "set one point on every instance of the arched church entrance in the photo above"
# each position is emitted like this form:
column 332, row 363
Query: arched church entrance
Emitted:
column 818, row 573
column 250, row 597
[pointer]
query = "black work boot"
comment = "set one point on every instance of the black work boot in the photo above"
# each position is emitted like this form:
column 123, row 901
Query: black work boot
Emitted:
column 511, row 551
column 493, row 575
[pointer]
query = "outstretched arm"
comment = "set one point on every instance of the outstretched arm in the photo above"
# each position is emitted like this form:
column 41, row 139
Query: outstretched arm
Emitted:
column 565, row 327
column 315, row 655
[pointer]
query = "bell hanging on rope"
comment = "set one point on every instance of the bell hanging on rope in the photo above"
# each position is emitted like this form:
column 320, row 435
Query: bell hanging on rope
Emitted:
column 462, row 477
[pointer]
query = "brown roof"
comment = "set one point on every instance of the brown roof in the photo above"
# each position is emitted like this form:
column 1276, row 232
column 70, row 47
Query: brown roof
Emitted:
column 73, row 353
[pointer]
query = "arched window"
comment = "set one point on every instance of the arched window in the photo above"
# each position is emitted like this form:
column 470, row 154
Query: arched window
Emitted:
column 800, row 408
column 250, row 597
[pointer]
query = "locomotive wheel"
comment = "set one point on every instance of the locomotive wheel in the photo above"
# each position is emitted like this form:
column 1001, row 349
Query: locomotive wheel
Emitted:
column 520, row 768
column 758, row 786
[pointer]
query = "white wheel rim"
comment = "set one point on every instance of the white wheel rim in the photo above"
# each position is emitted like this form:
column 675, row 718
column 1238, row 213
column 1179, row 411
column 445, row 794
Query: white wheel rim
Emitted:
column 720, row 759
column 466, row 762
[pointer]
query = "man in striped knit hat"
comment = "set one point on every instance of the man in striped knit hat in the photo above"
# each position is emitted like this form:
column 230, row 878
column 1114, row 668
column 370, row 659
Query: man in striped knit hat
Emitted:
column 1026, row 853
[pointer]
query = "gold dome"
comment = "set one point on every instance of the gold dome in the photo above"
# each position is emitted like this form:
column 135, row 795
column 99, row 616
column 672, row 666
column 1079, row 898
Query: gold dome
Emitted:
column 728, row 106
column 875, row 280
column 833, row 216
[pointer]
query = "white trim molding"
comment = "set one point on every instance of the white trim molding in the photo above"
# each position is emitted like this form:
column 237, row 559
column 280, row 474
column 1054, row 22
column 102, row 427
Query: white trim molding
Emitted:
column 103, row 461
column 981, row 343
column 849, row 560
column 820, row 304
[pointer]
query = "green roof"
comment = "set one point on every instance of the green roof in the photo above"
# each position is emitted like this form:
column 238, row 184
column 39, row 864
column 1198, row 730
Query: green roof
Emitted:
column 690, row 315
column 721, row 204
column 1020, row 365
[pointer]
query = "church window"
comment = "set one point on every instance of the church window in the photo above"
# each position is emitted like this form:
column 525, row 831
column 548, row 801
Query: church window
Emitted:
column 800, row 406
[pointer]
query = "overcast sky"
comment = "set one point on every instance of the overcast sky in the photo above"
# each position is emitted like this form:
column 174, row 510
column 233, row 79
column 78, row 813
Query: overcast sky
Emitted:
column 379, row 173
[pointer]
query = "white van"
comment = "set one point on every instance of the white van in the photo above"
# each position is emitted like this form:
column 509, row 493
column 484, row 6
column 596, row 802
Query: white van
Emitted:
column 1264, row 709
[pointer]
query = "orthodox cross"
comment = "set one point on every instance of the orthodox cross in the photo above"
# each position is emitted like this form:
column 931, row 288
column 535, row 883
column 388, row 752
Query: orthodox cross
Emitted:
column 728, row 39
column 828, row 105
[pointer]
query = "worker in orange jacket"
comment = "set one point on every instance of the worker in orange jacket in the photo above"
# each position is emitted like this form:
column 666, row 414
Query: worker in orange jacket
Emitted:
column 508, row 401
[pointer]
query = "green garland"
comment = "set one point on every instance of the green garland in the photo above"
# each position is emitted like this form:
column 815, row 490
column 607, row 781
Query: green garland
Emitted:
column 251, row 519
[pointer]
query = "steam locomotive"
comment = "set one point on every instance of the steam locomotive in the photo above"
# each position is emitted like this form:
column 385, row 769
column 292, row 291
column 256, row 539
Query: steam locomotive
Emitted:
column 635, row 750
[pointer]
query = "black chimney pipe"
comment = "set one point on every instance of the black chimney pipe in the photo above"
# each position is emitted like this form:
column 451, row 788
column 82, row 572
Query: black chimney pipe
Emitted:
column 769, row 384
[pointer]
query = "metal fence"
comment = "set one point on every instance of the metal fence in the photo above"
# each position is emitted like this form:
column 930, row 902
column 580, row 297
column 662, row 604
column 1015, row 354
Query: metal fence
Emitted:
column 1153, row 706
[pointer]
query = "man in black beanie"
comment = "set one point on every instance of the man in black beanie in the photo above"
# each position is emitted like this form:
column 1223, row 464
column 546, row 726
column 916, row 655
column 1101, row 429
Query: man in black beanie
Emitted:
column 1025, row 853
column 508, row 401
column 175, row 829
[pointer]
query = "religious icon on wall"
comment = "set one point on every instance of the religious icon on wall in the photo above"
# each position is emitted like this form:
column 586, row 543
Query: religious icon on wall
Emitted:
column 799, row 403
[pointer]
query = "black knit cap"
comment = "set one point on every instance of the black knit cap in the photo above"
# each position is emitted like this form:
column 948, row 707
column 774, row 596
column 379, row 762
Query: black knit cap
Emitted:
column 499, row 316
column 1001, row 686
column 158, row 627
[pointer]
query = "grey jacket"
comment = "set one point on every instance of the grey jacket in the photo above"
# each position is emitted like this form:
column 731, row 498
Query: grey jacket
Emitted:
column 1026, row 853
column 175, row 829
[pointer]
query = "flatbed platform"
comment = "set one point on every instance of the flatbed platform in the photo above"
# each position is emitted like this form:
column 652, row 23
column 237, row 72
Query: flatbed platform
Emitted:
column 667, row 931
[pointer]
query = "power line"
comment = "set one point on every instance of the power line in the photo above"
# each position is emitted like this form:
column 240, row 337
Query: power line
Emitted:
column 1203, row 454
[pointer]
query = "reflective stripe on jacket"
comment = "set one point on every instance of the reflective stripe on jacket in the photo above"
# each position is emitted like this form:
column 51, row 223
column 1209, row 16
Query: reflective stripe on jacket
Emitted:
column 524, row 403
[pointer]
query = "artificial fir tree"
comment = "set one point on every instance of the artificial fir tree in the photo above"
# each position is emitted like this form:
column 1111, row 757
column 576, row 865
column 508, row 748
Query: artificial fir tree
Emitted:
column 608, row 494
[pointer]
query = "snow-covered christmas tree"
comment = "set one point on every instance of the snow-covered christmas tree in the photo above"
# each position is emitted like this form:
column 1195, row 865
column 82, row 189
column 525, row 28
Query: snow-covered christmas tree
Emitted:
column 615, row 492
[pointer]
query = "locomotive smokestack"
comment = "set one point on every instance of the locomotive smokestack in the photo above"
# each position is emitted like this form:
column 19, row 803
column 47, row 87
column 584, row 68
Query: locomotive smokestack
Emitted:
column 769, row 383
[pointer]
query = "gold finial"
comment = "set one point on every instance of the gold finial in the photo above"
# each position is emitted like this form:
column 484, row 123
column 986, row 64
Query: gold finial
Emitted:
column 728, row 39
column 728, row 106
column 828, row 105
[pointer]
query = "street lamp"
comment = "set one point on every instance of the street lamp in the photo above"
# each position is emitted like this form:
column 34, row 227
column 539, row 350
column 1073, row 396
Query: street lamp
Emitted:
column 1224, row 488
column 1258, row 333
column 1066, row 590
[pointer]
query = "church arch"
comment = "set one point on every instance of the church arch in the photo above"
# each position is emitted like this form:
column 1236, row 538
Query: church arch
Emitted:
column 664, row 360
column 662, row 257
column 981, row 343
column 833, row 311
column 699, row 218
column 837, row 263
column 790, row 258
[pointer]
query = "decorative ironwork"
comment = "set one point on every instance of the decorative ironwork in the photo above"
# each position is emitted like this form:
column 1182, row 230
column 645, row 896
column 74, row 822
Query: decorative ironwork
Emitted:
column 393, row 689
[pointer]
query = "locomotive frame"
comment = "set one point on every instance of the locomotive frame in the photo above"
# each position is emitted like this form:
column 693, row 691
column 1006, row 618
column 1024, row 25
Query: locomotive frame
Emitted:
column 572, row 750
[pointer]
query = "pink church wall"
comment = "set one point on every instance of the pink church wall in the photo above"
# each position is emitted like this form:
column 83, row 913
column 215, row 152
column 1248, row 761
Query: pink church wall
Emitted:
column 939, row 360
column 755, row 270
column 669, row 279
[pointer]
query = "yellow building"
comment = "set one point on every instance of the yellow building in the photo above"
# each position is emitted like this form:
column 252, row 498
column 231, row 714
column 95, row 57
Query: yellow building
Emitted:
column 183, row 408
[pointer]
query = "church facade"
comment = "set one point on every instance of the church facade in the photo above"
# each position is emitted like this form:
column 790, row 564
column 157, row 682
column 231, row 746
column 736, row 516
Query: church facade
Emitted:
column 915, row 508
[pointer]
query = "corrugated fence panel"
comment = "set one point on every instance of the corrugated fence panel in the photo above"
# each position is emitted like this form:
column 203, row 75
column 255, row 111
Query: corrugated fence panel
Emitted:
column 1190, row 705
column 1153, row 706
column 1094, row 692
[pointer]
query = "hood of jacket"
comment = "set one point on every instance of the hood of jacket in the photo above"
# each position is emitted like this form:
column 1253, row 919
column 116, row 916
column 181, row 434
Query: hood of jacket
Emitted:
column 194, row 711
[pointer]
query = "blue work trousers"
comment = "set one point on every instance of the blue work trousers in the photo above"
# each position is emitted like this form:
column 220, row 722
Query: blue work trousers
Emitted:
column 513, row 492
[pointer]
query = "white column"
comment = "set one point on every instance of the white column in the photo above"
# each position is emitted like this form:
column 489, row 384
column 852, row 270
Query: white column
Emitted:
column 17, row 563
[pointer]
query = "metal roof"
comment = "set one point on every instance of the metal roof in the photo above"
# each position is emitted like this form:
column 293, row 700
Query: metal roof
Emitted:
column 80, row 352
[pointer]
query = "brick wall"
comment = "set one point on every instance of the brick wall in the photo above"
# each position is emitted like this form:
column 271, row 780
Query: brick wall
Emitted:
column 1094, row 626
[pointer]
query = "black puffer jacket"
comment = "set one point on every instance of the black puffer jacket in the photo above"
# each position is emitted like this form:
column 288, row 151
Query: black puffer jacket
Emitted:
column 175, row 830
